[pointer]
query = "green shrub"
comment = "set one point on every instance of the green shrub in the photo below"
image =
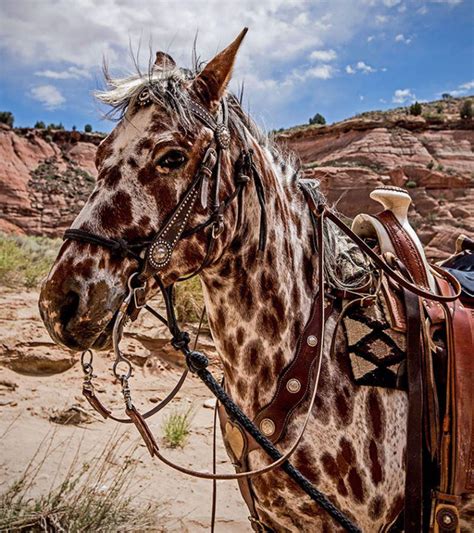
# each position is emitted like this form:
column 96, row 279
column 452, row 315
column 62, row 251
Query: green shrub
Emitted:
column 7, row 118
column 54, row 126
column 411, row 184
column 176, row 428
column 466, row 112
column 430, row 165
column 415, row 109
column 318, row 119
column 88, row 128
column 25, row 261
column 40, row 125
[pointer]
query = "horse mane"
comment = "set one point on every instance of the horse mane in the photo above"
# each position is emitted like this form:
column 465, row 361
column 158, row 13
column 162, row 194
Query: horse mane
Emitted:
column 346, row 267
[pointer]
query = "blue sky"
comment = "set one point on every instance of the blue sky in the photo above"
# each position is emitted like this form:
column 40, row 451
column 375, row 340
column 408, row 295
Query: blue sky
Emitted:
column 337, row 57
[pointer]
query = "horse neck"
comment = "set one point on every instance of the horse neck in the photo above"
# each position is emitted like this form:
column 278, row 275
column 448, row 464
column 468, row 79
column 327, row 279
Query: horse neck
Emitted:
column 258, row 305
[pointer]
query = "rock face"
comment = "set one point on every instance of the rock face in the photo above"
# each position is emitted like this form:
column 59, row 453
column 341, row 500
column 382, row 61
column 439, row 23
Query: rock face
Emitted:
column 45, row 178
column 433, row 159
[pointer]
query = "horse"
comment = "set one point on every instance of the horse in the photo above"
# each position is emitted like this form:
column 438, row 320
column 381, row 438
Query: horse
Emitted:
column 259, row 278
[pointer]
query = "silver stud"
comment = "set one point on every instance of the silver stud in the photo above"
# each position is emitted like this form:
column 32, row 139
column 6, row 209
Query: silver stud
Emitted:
column 312, row 340
column 447, row 519
column 159, row 254
column 293, row 385
column 267, row 427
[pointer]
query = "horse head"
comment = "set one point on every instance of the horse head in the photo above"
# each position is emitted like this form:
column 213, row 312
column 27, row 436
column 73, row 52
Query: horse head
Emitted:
column 165, row 150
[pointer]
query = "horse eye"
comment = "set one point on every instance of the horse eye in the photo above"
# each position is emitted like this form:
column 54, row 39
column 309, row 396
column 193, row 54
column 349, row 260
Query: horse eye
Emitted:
column 172, row 160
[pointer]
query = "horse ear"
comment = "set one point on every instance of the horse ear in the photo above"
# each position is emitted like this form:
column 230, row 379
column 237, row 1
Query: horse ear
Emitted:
column 211, row 83
column 164, row 61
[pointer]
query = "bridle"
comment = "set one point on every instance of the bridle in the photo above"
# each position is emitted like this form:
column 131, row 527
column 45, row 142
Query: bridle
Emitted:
column 154, row 254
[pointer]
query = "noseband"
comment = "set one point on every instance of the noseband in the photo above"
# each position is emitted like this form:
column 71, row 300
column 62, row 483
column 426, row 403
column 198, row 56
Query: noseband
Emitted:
column 155, row 254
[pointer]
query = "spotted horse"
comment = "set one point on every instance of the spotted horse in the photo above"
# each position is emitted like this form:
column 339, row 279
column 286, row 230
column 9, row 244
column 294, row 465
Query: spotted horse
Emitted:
column 303, row 312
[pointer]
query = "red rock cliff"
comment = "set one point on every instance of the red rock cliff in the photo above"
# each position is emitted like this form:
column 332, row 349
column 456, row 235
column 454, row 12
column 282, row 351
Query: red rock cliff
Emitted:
column 45, row 178
column 432, row 158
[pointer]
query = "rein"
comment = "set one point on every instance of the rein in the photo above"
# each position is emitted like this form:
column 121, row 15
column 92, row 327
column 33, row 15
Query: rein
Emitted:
column 155, row 253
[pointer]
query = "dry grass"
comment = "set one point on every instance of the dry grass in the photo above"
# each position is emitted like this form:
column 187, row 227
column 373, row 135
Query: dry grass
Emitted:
column 176, row 428
column 189, row 300
column 94, row 496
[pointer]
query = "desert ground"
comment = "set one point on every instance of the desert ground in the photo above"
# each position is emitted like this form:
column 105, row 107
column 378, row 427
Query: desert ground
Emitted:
column 40, row 388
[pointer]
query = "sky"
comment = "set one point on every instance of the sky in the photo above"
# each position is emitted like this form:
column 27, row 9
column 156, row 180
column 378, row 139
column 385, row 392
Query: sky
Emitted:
column 299, row 58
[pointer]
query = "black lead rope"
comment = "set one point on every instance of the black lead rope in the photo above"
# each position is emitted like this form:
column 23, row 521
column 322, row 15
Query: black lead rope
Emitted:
column 197, row 363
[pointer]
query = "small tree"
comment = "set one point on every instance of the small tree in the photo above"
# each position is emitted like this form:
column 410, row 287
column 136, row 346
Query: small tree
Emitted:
column 54, row 126
column 415, row 109
column 318, row 119
column 74, row 128
column 466, row 110
column 88, row 128
column 7, row 118
column 40, row 125
column 446, row 96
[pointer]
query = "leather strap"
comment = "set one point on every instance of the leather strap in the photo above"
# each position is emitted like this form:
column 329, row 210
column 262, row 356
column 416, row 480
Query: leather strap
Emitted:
column 405, row 249
column 294, row 383
column 414, row 448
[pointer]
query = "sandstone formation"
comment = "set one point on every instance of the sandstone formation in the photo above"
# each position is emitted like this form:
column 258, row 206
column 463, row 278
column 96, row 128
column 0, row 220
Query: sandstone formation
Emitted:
column 432, row 158
column 46, row 176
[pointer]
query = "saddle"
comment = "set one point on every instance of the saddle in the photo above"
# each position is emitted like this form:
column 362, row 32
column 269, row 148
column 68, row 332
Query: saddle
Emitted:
column 439, row 364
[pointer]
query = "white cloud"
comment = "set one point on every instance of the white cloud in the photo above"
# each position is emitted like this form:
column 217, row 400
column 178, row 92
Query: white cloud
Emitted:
column 467, row 86
column 450, row 2
column 402, row 96
column 321, row 72
column 363, row 67
column 361, row 97
column 360, row 66
column 370, row 38
column 400, row 38
column 423, row 10
column 283, row 34
column 48, row 95
column 391, row 3
column 72, row 73
column 461, row 89
column 323, row 55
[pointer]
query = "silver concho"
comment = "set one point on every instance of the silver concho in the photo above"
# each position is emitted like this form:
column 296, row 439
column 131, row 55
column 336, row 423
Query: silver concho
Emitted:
column 144, row 97
column 159, row 254
column 222, row 136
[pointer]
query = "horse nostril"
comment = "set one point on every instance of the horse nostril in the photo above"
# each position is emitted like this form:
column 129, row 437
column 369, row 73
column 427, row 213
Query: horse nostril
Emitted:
column 69, row 307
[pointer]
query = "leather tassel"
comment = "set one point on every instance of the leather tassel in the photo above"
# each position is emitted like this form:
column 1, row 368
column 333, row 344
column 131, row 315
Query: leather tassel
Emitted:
column 95, row 402
column 143, row 429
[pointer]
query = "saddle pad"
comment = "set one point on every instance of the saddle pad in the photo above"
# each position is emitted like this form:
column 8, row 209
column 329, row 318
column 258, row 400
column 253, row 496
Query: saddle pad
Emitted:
column 375, row 350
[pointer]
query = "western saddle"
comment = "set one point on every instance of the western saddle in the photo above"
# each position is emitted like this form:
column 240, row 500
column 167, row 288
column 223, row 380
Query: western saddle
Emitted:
column 440, row 365
column 438, row 371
